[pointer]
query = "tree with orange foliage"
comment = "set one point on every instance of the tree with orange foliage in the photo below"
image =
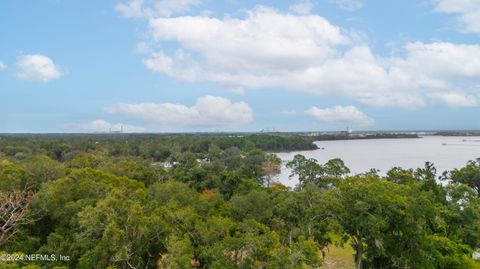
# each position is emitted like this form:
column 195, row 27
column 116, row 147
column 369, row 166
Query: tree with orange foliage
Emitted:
column 271, row 168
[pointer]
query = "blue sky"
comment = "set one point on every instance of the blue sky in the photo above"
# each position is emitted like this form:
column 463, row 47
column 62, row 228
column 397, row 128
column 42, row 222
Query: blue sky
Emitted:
column 204, row 65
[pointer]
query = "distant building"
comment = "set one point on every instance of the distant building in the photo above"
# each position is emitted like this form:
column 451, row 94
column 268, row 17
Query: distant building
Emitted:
column 347, row 132
column 116, row 131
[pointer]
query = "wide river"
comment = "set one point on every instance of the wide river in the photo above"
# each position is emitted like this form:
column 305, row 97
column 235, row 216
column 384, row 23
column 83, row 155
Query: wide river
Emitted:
column 360, row 156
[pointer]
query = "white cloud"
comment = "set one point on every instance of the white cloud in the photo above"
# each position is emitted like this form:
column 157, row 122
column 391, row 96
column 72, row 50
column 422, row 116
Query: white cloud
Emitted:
column 155, row 8
column 302, row 8
column 134, row 9
column 102, row 126
column 2, row 66
column 349, row 115
column 455, row 99
column 350, row 5
column 37, row 67
column 208, row 112
column 265, row 38
column 254, row 52
column 468, row 12
column 270, row 49
column 437, row 64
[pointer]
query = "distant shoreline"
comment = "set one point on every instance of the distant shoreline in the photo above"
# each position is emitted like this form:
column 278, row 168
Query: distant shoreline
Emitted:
column 358, row 136
column 341, row 136
column 458, row 133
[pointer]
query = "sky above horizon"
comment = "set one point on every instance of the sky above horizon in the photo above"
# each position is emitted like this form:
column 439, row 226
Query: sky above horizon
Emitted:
column 205, row 65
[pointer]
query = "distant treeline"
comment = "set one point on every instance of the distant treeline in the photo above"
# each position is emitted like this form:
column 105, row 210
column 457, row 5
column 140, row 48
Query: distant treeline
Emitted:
column 458, row 133
column 147, row 146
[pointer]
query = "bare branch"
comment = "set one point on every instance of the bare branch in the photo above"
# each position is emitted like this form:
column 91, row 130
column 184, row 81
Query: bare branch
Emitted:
column 14, row 212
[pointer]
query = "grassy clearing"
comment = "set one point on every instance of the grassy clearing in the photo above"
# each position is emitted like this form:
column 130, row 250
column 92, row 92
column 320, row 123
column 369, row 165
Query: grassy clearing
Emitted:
column 342, row 258
column 339, row 258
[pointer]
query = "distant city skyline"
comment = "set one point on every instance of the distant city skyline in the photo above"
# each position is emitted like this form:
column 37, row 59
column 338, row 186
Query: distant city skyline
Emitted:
column 238, row 66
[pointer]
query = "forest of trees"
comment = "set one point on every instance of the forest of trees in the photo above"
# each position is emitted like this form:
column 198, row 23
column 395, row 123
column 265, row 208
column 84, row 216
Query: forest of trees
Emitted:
column 205, row 201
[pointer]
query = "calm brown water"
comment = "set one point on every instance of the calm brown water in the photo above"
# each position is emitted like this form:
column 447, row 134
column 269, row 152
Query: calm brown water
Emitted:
column 361, row 155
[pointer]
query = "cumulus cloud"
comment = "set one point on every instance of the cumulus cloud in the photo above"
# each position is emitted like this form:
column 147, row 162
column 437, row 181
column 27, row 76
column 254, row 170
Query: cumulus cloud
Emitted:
column 155, row 8
column 102, row 126
column 305, row 52
column 455, row 99
column 468, row 12
column 348, row 115
column 257, row 51
column 350, row 5
column 208, row 112
column 2, row 66
column 37, row 67
column 437, row 64
column 264, row 39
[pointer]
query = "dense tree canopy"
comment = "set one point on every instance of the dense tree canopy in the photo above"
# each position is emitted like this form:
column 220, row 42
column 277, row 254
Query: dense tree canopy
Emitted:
column 213, row 202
